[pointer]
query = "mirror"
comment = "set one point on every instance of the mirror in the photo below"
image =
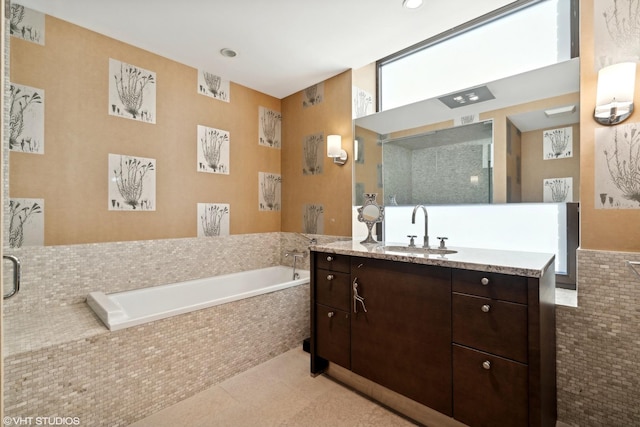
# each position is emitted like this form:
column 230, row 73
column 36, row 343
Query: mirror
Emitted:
column 370, row 213
column 528, row 111
column 450, row 166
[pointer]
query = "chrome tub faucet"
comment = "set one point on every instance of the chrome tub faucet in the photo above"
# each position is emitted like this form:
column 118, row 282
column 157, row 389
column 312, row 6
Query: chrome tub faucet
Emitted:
column 295, row 256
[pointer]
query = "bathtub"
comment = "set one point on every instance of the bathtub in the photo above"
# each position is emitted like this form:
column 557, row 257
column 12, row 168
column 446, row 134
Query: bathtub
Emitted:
column 131, row 308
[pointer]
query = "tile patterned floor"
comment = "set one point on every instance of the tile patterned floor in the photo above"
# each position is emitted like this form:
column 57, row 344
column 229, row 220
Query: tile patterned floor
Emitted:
column 279, row 392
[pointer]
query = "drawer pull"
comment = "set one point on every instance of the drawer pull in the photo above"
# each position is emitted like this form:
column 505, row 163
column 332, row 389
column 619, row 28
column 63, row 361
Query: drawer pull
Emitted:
column 330, row 277
column 486, row 365
column 329, row 258
column 484, row 281
column 330, row 314
column 486, row 308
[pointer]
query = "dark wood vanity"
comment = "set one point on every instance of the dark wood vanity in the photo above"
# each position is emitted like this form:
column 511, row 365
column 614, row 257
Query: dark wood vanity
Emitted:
column 477, row 346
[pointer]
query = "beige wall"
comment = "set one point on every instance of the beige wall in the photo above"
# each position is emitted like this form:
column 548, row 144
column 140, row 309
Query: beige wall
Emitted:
column 617, row 230
column 331, row 188
column 535, row 169
column 79, row 134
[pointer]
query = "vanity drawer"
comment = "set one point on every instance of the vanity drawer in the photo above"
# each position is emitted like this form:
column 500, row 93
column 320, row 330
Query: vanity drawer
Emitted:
column 333, row 289
column 489, row 390
column 333, row 262
column 490, row 325
column 333, row 335
column 490, row 285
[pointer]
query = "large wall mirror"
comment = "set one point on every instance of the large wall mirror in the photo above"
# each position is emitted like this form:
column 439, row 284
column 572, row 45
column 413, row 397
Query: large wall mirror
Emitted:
column 520, row 146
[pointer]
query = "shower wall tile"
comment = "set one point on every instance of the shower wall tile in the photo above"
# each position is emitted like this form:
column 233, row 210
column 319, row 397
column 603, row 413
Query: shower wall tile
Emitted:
column 598, row 344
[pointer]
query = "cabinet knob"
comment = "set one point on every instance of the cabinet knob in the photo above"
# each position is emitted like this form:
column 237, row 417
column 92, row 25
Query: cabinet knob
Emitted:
column 484, row 281
column 329, row 258
column 330, row 314
column 486, row 308
column 329, row 276
column 486, row 365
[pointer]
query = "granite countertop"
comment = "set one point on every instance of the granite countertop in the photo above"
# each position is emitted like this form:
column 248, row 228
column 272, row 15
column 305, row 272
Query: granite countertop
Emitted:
column 528, row 264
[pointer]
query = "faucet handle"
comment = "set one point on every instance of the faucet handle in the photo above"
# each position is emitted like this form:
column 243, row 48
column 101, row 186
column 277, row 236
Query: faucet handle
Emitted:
column 412, row 243
column 442, row 239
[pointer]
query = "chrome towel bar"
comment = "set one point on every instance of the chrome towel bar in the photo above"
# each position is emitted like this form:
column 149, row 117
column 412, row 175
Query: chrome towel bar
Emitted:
column 634, row 265
column 17, row 273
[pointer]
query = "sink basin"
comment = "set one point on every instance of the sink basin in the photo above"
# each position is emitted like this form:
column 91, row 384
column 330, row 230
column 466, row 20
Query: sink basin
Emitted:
column 419, row 250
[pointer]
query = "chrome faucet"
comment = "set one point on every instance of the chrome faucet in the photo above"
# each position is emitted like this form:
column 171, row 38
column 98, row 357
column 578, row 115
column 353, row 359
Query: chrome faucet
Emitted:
column 426, row 224
column 295, row 256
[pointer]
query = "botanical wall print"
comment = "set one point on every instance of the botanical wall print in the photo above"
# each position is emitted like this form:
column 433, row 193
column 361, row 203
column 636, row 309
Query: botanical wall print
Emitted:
column 362, row 102
column 213, row 219
column 132, row 92
column 270, row 128
column 313, row 219
column 213, row 150
column 269, row 193
column 26, row 24
column 26, row 124
column 557, row 143
column 214, row 86
column 313, row 95
column 26, row 222
column 617, row 167
column 616, row 31
column 558, row 190
column 312, row 152
column 132, row 183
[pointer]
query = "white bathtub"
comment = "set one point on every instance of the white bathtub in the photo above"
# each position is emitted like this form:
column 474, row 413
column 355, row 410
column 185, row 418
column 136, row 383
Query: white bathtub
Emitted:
column 131, row 308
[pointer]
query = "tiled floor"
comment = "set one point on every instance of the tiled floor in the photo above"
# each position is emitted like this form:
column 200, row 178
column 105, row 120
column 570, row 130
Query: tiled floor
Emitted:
column 279, row 392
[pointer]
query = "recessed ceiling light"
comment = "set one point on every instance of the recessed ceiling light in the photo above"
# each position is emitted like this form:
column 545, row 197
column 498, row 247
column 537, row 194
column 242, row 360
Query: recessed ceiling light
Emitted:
column 229, row 53
column 411, row 4
column 569, row 109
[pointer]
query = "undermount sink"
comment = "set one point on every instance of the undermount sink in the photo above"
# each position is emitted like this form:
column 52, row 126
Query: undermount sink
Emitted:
column 419, row 250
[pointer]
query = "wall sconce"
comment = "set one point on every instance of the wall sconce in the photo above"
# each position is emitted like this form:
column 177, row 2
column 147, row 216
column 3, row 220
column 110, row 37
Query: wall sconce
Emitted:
column 335, row 151
column 614, row 95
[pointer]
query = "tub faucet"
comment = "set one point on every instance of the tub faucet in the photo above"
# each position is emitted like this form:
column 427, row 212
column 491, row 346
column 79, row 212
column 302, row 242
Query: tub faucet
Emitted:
column 295, row 256
column 426, row 224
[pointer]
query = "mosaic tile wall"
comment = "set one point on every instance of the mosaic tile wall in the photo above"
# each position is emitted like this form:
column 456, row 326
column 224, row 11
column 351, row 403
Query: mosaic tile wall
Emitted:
column 55, row 276
column 60, row 359
column 598, row 344
column 116, row 378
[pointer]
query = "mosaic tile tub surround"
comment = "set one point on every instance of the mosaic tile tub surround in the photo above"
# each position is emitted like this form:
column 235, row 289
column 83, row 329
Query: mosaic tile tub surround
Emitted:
column 116, row 378
column 60, row 359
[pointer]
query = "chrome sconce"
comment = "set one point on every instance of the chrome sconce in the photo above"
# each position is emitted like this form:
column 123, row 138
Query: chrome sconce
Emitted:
column 335, row 151
column 614, row 94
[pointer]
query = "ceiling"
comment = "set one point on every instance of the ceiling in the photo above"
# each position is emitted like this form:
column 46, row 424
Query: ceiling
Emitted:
column 283, row 46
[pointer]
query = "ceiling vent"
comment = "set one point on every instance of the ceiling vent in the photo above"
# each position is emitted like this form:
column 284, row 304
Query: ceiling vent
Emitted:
column 467, row 97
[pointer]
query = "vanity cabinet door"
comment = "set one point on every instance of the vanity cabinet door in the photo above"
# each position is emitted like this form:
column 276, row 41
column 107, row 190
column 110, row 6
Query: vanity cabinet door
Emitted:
column 403, row 339
column 489, row 390
column 333, row 335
